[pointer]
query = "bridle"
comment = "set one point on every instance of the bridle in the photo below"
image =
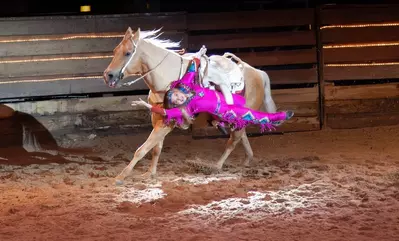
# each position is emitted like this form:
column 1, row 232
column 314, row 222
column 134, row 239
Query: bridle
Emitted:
column 121, row 75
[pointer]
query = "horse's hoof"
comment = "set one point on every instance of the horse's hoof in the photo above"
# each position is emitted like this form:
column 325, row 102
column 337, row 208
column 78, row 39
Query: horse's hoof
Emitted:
column 217, row 168
column 118, row 182
column 148, row 175
column 289, row 114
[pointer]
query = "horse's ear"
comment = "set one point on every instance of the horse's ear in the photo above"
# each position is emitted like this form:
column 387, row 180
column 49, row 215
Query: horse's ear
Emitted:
column 136, row 36
column 128, row 34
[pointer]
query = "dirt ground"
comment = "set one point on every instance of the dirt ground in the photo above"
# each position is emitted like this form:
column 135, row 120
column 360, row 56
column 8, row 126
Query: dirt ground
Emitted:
column 326, row 185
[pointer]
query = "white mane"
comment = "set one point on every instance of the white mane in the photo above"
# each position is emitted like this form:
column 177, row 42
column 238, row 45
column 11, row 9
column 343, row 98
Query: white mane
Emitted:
column 152, row 36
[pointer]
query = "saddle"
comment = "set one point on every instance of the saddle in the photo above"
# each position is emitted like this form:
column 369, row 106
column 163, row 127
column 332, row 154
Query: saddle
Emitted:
column 222, row 70
column 226, row 69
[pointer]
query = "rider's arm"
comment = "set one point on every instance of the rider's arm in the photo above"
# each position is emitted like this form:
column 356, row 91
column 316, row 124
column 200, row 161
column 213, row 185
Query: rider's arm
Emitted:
column 170, row 113
column 192, row 70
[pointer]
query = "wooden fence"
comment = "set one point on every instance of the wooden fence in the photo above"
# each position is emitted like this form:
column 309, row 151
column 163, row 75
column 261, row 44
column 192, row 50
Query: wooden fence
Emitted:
column 361, row 65
column 318, row 68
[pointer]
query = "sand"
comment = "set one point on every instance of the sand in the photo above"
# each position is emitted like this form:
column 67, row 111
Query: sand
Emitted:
column 325, row 185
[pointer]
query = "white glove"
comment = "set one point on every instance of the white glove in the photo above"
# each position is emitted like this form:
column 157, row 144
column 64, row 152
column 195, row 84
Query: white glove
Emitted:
column 201, row 52
column 141, row 102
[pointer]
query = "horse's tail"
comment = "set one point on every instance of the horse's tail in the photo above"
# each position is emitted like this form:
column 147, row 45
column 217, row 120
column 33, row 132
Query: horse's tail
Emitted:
column 268, row 102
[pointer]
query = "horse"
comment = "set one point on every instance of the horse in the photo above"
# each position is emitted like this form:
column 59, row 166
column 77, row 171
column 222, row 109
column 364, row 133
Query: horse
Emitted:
column 145, row 54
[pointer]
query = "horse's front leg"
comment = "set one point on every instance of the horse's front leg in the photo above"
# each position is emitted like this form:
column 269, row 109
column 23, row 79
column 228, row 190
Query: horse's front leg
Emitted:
column 156, row 153
column 157, row 135
column 235, row 137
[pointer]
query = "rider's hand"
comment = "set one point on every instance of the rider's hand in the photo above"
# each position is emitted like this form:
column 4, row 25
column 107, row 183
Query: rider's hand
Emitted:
column 141, row 102
column 201, row 52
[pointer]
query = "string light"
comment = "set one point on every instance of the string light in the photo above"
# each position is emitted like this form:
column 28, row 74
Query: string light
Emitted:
column 362, row 64
column 367, row 25
column 50, row 79
column 55, row 59
column 361, row 45
column 64, row 37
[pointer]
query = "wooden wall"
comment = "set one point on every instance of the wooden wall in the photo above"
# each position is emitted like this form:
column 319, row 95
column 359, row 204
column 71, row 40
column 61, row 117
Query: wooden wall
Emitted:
column 361, row 65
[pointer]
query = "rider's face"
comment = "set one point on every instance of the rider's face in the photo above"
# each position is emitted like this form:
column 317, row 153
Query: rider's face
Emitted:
column 178, row 97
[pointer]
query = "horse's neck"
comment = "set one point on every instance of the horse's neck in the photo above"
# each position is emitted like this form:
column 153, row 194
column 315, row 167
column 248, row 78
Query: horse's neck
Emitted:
column 165, row 66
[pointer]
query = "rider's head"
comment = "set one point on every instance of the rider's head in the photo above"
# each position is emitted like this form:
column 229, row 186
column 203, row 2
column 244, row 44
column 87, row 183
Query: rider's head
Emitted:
column 176, row 96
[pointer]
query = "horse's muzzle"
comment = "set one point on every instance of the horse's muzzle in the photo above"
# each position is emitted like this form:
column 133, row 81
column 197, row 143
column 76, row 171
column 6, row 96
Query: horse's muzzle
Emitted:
column 112, row 79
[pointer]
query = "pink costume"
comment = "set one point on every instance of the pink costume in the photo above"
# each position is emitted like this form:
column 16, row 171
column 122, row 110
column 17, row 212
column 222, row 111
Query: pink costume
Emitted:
column 213, row 102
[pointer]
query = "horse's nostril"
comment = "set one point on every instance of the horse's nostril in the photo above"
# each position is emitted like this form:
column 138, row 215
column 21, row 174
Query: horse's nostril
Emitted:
column 110, row 76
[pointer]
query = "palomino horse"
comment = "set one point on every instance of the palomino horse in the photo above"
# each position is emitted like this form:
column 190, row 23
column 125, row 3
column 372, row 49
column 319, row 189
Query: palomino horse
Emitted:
column 143, row 53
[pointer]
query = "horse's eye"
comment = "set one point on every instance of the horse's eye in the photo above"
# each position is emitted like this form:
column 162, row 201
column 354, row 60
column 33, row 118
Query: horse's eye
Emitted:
column 128, row 53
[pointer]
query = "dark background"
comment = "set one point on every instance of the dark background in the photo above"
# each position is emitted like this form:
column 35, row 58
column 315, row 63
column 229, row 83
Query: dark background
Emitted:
column 72, row 7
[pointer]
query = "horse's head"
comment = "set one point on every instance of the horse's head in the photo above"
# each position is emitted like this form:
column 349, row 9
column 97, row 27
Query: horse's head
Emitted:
column 125, row 61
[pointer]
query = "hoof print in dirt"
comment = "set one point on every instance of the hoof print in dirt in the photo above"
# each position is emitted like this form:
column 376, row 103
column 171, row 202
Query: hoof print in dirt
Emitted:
column 200, row 167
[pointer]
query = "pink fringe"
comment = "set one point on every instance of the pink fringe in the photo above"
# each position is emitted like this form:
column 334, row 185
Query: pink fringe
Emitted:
column 238, row 123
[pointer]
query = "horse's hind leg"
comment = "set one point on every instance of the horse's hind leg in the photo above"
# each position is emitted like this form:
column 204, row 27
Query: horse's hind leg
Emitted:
column 235, row 137
column 157, row 134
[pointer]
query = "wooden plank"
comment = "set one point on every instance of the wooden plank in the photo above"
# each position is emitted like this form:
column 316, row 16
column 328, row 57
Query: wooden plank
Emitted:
column 362, row 106
column 70, row 43
column 301, row 109
column 298, row 95
column 77, row 63
column 295, row 124
column 293, row 76
column 91, row 23
column 240, row 40
column 358, row 55
column 249, row 19
column 361, row 120
column 94, row 120
column 74, row 106
column 356, row 92
column 360, row 35
column 360, row 14
column 284, row 57
column 61, row 87
column 360, row 72
column 86, row 120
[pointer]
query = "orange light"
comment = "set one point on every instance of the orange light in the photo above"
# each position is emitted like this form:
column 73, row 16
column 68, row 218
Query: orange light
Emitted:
column 85, row 8
column 65, row 37
column 366, row 25
column 55, row 59
column 361, row 45
column 362, row 64
column 50, row 79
